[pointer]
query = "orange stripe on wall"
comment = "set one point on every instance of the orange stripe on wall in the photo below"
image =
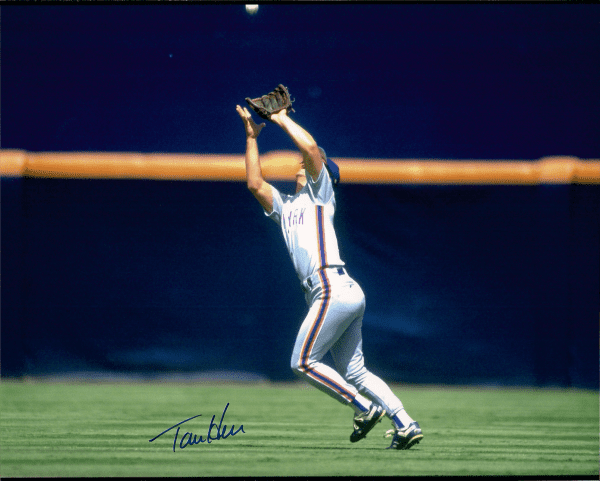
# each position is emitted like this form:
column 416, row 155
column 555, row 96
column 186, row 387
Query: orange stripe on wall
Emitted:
column 283, row 165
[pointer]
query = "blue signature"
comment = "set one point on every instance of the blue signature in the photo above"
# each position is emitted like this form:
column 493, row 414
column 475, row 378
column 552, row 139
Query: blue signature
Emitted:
column 189, row 439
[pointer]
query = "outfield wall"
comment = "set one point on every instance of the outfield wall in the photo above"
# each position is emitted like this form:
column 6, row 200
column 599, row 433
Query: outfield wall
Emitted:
column 467, row 281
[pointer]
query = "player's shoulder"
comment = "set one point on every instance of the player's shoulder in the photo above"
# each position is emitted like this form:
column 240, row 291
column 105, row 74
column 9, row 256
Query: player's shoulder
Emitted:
column 322, row 187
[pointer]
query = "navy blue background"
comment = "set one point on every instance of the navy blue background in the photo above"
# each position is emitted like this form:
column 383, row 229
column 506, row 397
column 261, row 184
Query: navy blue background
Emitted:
column 482, row 284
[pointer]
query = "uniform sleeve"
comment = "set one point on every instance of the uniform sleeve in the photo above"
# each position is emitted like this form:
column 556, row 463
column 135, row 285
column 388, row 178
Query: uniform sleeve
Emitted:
column 322, row 188
column 275, row 215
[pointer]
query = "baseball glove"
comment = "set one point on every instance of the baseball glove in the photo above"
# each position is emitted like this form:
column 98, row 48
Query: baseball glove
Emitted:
column 275, row 101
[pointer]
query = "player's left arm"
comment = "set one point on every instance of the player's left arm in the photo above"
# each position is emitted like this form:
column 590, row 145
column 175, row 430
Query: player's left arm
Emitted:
column 312, row 160
column 261, row 189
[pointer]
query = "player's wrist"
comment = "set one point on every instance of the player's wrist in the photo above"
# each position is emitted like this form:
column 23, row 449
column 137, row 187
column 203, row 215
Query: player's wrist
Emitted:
column 275, row 119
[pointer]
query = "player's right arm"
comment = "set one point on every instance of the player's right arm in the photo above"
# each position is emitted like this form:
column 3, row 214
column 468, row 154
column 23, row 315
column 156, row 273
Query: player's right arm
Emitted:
column 312, row 160
column 254, row 179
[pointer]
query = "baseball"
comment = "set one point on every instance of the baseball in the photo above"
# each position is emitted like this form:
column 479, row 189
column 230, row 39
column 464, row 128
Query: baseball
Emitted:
column 251, row 9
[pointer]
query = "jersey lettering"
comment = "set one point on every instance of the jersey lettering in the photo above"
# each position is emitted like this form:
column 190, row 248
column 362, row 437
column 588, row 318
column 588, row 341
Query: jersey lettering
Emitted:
column 294, row 218
column 306, row 221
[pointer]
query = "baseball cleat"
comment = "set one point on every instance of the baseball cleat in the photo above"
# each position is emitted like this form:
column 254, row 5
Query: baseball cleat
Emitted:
column 366, row 421
column 405, row 438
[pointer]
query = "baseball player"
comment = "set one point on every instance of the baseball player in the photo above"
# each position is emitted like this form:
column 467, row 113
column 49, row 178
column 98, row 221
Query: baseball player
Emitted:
column 336, row 302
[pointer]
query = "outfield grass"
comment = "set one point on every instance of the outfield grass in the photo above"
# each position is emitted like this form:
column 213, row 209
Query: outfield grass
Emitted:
column 103, row 429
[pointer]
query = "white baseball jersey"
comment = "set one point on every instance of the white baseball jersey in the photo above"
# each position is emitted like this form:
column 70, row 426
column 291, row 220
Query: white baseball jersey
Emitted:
column 306, row 221
column 336, row 302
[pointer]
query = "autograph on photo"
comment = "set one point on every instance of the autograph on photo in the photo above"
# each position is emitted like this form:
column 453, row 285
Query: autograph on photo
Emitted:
column 189, row 439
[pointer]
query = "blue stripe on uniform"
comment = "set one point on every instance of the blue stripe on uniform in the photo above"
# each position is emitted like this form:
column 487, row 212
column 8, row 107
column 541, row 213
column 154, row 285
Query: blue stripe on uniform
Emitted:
column 321, row 236
column 314, row 330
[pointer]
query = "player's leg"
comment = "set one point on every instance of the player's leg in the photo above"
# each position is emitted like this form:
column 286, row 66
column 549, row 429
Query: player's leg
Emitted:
column 348, row 357
column 406, row 432
column 321, row 328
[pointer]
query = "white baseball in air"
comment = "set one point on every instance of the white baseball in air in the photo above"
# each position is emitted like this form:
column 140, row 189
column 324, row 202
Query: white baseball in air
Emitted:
column 251, row 9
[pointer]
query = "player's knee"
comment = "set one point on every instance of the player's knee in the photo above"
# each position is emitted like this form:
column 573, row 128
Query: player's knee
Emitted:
column 298, row 368
column 355, row 375
column 295, row 365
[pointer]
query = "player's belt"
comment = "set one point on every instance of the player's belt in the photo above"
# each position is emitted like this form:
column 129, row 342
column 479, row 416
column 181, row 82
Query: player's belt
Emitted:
column 313, row 280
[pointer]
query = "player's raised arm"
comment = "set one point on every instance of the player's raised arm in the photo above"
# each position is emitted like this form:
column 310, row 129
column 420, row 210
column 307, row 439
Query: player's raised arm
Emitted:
column 275, row 107
column 311, row 154
column 254, row 179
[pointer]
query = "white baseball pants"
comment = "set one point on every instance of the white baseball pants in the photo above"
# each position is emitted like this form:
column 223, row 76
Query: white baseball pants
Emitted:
column 334, row 323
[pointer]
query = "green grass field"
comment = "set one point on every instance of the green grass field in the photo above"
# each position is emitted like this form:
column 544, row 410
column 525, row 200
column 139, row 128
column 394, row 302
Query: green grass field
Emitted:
column 103, row 429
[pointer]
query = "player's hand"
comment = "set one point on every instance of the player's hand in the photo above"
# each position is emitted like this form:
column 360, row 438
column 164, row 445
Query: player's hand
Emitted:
column 252, row 128
column 279, row 116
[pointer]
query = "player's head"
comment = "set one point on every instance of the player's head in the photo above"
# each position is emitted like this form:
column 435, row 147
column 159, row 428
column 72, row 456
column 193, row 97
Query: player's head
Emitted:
column 332, row 168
